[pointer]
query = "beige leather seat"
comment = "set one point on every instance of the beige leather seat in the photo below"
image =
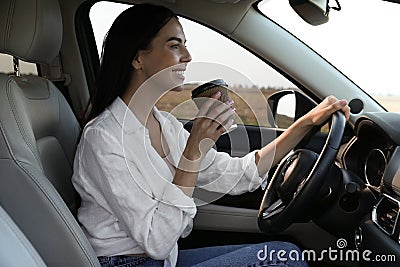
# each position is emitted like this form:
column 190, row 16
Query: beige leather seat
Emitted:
column 38, row 137
column 15, row 249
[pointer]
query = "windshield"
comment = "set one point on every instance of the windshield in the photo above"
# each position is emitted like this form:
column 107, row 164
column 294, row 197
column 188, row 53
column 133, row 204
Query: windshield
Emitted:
column 361, row 40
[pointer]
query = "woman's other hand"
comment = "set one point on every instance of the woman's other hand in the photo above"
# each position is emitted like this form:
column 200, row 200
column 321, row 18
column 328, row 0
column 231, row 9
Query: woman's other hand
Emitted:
column 212, row 120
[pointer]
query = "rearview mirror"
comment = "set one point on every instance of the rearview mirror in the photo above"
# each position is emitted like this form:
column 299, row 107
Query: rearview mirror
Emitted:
column 314, row 12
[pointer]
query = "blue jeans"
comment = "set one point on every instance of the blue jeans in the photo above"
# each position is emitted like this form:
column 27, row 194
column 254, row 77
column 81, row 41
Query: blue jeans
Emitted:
column 264, row 254
column 129, row 261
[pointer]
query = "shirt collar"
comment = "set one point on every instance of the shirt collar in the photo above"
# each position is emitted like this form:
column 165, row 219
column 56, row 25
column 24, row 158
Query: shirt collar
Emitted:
column 160, row 117
column 124, row 116
column 127, row 119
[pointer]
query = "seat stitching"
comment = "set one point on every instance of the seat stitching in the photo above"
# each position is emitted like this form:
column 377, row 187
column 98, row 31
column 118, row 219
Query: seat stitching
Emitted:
column 19, row 123
column 34, row 31
column 8, row 23
column 59, row 121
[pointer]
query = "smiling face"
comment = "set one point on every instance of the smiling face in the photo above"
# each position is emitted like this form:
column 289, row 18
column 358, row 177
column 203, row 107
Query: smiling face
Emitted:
column 166, row 51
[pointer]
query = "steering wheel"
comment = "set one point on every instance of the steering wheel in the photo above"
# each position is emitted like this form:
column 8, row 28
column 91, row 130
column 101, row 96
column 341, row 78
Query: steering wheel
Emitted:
column 297, row 181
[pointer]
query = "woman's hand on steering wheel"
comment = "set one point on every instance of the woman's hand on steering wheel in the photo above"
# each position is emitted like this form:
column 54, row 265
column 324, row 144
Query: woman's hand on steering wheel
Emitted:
column 321, row 113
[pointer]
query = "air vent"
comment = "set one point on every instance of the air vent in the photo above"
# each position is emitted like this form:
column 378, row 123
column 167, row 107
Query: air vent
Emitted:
column 386, row 213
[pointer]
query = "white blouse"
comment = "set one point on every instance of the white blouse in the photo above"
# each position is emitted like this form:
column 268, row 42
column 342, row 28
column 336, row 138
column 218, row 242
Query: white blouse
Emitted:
column 129, row 203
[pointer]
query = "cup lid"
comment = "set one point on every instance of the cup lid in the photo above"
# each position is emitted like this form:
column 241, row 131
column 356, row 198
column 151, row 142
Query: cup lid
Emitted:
column 208, row 85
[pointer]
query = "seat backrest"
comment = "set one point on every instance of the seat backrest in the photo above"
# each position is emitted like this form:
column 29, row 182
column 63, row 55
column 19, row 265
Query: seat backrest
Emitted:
column 38, row 138
column 15, row 249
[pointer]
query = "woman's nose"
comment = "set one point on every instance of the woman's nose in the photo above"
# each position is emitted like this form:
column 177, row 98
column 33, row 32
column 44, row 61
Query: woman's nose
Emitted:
column 186, row 57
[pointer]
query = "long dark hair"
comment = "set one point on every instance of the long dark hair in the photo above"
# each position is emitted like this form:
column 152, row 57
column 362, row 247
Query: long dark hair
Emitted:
column 132, row 30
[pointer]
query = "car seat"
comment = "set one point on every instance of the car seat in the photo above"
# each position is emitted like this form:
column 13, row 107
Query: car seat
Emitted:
column 15, row 249
column 38, row 138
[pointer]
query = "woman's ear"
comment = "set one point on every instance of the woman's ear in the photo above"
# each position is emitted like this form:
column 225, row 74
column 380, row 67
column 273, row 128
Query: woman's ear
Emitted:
column 136, row 63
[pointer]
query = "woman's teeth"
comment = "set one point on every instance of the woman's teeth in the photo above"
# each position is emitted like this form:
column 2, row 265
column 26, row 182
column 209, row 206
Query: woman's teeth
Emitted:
column 179, row 72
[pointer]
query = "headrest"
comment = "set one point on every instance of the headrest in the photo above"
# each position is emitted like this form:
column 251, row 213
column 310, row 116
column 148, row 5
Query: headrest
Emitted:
column 30, row 29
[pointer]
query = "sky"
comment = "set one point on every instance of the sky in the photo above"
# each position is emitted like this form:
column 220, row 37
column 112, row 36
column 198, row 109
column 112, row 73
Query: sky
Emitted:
column 361, row 40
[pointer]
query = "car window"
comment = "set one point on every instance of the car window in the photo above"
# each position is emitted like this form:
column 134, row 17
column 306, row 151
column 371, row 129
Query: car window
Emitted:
column 6, row 66
column 214, row 56
column 360, row 40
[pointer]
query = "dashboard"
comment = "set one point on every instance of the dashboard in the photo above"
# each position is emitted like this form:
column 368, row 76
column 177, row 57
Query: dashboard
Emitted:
column 372, row 151
column 374, row 156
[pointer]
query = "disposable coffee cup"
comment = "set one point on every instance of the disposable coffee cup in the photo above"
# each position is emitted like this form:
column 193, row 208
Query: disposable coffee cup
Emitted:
column 207, row 90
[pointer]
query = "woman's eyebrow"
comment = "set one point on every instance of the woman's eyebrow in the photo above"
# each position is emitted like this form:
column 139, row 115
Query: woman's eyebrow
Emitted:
column 176, row 39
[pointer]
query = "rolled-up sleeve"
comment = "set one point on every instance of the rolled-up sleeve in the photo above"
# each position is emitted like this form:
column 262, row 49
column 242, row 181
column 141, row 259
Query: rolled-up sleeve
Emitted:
column 232, row 175
column 150, row 209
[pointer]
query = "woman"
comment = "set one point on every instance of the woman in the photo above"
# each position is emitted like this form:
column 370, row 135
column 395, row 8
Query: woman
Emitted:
column 136, row 167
